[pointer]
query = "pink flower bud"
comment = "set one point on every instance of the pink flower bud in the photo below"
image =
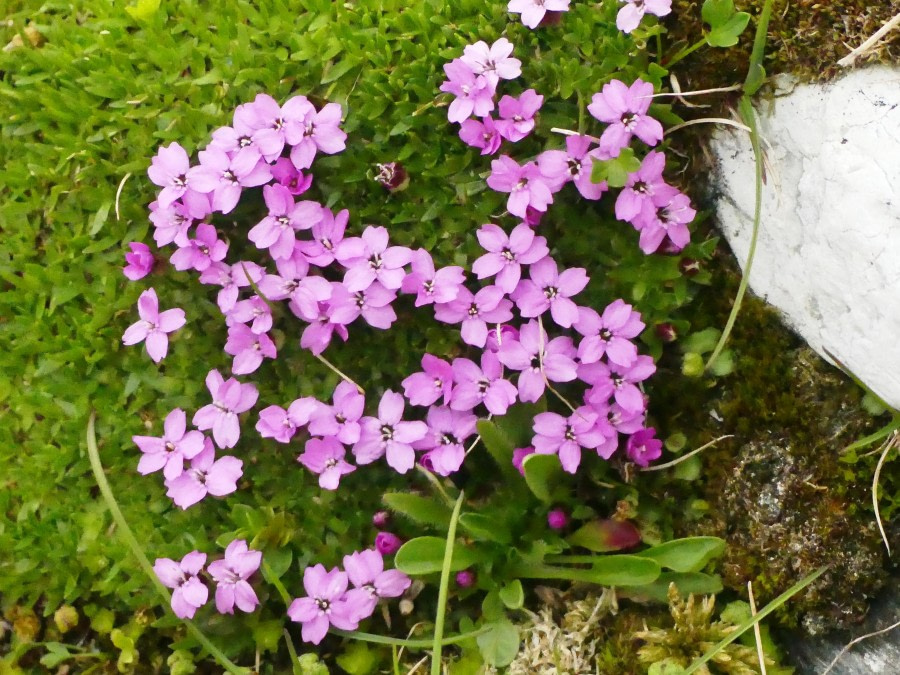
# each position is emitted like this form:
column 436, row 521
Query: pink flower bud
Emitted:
column 465, row 578
column 557, row 519
column 387, row 543
column 380, row 519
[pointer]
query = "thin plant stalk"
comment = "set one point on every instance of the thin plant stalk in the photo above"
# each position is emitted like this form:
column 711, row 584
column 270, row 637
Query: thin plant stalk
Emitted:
column 444, row 588
column 890, row 445
column 418, row 643
column 856, row 641
column 138, row 551
column 679, row 460
column 757, row 633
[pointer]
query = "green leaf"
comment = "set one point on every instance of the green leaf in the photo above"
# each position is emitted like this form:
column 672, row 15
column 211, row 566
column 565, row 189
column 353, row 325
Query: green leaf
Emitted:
column 492, row 607
column 697, row 583
column 358, row 659
column 279, row 561
column 424, row 510
column 686, row 555
column 615, row 171
column 500, row 644
column 666, row 667
column 56, row 654
column 603, row 536
column 728, row 33
column 512, row 595
column 425, row 555
column 485, row 528
column 541, row 473
column 717, row 12
column 143, row 9
column 723, row 365
column 608, row 570
column 498, row 445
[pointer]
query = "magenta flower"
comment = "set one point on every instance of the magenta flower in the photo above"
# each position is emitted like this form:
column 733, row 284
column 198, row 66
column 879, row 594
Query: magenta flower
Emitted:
column 517, row 115
column 528, row 352
column 206, row 475
column 340, row 420
column 436, row 381
column 519, row 455
column 327, row 235
column 494, row 62
column 154, row 326
column 643, row 447
column 231, row 278
column 369, row 257
column 430, row 285
column 506, row 255
column 230, row 399
column 550, row 289
column 670, row 219
column 280, row 424
column 609, row 335
column 500, row 334
column 533, row 11
column 642, row 186
column 388, row 435
column 475, row 312
column 447, row 433
column 325, row 606
column 169, row 452
column 225, row 177
column 371, row 581
column 387, row 543
column 314, row 132
column 268, row 122
column 189, row 593
column 248, row 349
column 618, row 382
column 317, row 335
column 288, row 176
column 201, row 251
column 140, row 261
column 485, row 385
column 482, row 134
column 277, row 230
column 231, row 574
column 574, row 164
column 557, row 519
column 254, row 309
column 625, row 110
column 171, row 223
column 474, row 93
column 372, row 303
column 526, row 185
column 325, row 457
column 169, row 170
column 631, row 14
column 555, row 434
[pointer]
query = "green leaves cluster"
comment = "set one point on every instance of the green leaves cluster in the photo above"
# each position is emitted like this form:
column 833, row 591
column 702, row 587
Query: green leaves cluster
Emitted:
column 725, row 23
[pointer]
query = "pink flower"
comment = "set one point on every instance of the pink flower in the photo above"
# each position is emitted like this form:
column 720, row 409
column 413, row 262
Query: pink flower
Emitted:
column 618, row 382
column 555, row 434
column 230, row 399
column 506, row 255
column 313, row 131
column 172, row 223
column 643, row 447
column 368, row 258
column 485, row 385
column 642, row 185
column 517, row 115
column 474, row 93
column 140, row 261
column 225, row 177
column 430, row 285
column 325, row 457
column 519, row 455
column 317, row 335
column 287, row 175
column 435, row 382
column 550, row 289
column 494, row 62
column 201, row 251
column 372, row 303
column 475, row 312
column 326, row 604
column 557, row 519
column 189, row 592
column 631, row 14
column 169, row 452
column 533, row 11
column 253, row 309
column 526, row 185
column 169, row 170
column 388, row 435
column 625, row 110
column 574, row 164
column 154, row 326
column 277, row 230
column 280, row 424
column 609, row 334
column 371, row 581
column 248, row 349
column 206, row 475
column 447, row 433
column 670, row 218
column 482, row 134
column 387, row 543
column 500, row 334
column 532, row 348
column 327, row 235
column 231, row 278
column 231, row 574
column 340, row 420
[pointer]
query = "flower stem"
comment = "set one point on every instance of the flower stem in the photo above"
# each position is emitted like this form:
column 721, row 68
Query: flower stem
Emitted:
column 440, row 615
column 340, row 374
column 685, row 52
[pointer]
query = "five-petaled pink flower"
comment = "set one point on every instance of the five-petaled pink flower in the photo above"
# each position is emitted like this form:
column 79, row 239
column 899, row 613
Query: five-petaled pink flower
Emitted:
column 475, row 312
column 483, row 384
column 325, row 457
column 225, row 177
column 231, row 574
column 387, row 435
column 280, row 424
column 369, row 258
column 277, row 230
column 200, row 252
column 433, row 383
column 154, row 325
column 313, row 131
column 230, row 399
column 482, row 134
column 493, row 62
column 206, row 475
column 248, row 349
column 625, row 110
column 538, row 359
column 575, row 164
column 517, row 115
column 526, row 185
column 341, row 419
column 140, row 261
column 550, row 289
column 533, row 11
column 630, row 15
column 643, row 447
column 189, row 593
column 169, row 452
column 169, row 170
column 609, row 334
column 365, row 570
column 447, row 433
column 326, row 604
column 506, row 254
column 474, row 93
column 430, row 285
column 555, row 434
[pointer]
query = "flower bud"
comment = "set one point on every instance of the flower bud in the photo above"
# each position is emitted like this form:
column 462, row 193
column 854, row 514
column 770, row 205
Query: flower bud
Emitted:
column 465, row 578
column 392, row 176
column 666, row 332
column 689, row 267
column 380, row 519
column 387, row 543
column 557, row 519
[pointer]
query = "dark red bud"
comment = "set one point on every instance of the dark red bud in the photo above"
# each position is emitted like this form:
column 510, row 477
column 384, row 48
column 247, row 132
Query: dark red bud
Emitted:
column 689, row 267
column 666, row 332
column 392, row 176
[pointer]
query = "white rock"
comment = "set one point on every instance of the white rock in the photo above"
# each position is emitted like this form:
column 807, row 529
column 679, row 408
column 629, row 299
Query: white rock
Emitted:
column 828, row 254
